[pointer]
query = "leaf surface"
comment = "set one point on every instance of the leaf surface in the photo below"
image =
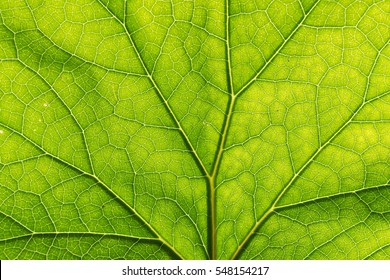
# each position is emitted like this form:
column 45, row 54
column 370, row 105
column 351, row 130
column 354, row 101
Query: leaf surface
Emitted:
column 194, row 129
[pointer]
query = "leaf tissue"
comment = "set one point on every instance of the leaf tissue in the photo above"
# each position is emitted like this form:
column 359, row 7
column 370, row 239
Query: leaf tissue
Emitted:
column 194, row 129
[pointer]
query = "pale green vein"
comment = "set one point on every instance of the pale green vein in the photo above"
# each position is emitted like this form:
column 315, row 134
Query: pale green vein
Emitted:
column 369, row 28
column 217, row 161
column 235, row 95
column 276, row 53
column 331, row 196
column 47, row 210
column 97, row 179
column 329, row 241
column 83, row 60
column 200, row 28
column 165, row 101
column 381, row 248
column 170, row 110
column 231, row 107
column 159, row 92
column 74, row 55
column 8, row 164
column 15, row 220
column 87, row 233
column 303, row 168
column 90, row 163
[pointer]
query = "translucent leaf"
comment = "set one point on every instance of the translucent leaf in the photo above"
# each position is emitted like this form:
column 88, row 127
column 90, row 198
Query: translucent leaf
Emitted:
column 238, row 129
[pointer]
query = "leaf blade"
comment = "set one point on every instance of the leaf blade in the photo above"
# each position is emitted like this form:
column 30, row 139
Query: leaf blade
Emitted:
column 196, row 129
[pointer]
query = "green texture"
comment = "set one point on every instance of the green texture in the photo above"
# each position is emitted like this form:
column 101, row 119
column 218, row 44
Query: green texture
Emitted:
column 194, row 129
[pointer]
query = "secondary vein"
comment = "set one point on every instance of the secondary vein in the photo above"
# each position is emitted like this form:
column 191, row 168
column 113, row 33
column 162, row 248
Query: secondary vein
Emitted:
column 273, row 206
column 101, row 183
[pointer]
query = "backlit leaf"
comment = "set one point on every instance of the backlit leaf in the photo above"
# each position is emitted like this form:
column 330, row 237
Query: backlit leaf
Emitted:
column 156, row 129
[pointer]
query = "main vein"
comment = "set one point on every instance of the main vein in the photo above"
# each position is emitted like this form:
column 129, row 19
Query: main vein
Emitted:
column 228, row 118
column 222, row 140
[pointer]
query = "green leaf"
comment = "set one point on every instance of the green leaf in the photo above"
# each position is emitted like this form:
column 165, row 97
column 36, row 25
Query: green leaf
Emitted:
column 156, row 129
